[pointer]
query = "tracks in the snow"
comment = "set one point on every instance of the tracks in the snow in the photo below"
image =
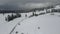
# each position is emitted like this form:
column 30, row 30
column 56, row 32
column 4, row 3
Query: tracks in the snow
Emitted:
column 16, row 25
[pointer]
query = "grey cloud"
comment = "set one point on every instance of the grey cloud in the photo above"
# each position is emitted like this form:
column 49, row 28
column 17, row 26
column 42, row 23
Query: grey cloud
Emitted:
column 21, row 3
column 27, row 1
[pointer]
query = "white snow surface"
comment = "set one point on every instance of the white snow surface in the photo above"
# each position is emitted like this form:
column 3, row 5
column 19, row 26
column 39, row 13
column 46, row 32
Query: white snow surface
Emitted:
column 49, row 24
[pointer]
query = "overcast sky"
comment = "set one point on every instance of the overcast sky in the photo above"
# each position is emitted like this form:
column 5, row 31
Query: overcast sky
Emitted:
column 26, row 1
column 22, row 3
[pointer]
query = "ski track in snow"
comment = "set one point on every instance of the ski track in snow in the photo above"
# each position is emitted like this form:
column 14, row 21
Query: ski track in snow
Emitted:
column 48, row 24
column 29, row 25
column 8, row 26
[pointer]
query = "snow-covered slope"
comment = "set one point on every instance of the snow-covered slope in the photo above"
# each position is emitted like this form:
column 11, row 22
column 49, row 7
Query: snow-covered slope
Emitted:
column 6, row 27
column 48, row 24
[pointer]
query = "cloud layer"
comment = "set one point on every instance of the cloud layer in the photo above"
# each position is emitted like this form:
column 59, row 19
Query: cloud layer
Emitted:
column 26, row 3
column 37, row 5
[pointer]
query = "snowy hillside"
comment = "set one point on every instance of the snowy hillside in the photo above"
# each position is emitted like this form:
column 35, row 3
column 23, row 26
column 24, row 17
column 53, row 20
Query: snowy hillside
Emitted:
column 48, row 24
column 39, row 22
